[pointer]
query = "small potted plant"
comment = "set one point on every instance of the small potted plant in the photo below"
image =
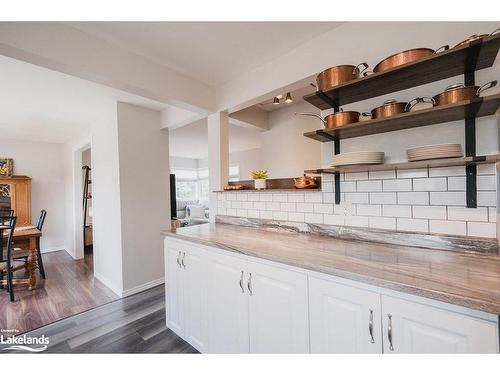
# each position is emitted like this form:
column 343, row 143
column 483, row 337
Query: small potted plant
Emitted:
column 259, row 179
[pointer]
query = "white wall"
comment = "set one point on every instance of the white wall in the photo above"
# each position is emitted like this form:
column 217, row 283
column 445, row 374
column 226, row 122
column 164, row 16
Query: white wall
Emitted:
column 144, row 195
column 285, row 151
column 249, row 160
column 43, row 162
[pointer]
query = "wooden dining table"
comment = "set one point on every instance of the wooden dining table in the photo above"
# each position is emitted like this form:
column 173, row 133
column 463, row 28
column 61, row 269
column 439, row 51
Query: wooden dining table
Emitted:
column 25, row 237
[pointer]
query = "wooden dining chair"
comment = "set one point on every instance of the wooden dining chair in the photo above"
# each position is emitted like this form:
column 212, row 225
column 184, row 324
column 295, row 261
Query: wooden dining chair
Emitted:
column 18, row 253
column 8, row 224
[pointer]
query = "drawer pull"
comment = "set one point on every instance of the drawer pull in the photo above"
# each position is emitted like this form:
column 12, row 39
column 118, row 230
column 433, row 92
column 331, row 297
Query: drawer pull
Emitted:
column 182, row 261
column 249, row 284
column 178, row 261
column 241, row 283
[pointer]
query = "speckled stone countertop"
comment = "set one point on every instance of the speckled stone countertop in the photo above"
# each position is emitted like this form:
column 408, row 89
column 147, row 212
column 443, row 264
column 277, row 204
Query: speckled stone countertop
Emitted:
column 465, row 279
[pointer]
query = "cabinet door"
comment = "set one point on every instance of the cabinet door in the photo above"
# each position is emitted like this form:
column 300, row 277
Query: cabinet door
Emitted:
column 278, row 310
column 343, row 319
column 195, row 298
column 417, row 328
column 227, row 305
column 173, row 290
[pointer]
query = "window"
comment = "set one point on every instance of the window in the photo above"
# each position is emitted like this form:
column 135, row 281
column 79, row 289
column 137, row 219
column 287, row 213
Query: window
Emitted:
column 234, row 172
column 191, row 184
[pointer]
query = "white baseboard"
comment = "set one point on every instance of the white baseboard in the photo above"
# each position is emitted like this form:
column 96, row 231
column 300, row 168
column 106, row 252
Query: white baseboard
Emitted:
column 118, row 291
column 52, row 249
column 143, row 287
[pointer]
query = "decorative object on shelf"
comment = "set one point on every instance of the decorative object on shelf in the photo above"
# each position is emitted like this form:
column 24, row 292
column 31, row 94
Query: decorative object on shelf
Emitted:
column 460, row 92
column 358, row 158
column 6, row 167
column 337, row 75
column 334, row 120
column 259, row 178
column 233, row 187
column 438, row 151
column 406, row 57
column 475, row 37
column 305, row 182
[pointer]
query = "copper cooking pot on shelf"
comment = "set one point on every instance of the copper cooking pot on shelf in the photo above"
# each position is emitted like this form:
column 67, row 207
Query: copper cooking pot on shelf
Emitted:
column 405, row 57
column 474, row 37
column 459, row 92
column 390, row 108
column 337, row 75
column 335, row 120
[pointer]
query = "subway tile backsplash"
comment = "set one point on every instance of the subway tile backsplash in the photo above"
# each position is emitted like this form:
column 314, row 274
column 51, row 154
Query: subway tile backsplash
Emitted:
column 419, row 200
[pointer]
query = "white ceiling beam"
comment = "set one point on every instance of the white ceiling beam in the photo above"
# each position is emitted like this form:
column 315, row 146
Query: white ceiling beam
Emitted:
column 65, row 49
column 252, row 118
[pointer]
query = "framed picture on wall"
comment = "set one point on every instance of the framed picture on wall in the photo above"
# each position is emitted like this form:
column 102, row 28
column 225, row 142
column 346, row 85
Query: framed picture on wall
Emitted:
column 6, row 167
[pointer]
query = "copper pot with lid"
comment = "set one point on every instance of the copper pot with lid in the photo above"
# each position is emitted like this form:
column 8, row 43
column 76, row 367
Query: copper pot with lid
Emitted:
column 459, row 92
column 336, row 75
column 335, row 120
column 474, row 37
column 390, row 108
column 406, row 57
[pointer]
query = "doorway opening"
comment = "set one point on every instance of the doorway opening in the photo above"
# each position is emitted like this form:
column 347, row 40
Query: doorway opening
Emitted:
column 87, row 211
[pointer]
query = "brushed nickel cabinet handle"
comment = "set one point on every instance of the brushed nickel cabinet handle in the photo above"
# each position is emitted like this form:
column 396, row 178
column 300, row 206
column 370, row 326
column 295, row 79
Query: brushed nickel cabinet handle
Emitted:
column 182, row 261
column 249, row 284
column 178, row 261
column 389, row 332
column 370, row 327
column 241, row 283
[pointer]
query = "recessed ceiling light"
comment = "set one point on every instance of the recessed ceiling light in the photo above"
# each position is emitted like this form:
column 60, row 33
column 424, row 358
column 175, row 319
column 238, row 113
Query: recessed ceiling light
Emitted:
column 288, row 98
column 276, row 100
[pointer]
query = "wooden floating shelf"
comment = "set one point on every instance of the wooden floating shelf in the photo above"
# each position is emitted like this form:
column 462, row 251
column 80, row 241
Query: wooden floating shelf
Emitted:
column 436, row 163
column 275, row 185
column 479, row 107
column 474, row 56
column 266, row 190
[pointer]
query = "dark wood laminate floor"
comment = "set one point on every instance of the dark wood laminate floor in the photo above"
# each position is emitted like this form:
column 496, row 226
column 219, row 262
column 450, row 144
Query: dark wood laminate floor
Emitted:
column 135, row 324
column 69, row 289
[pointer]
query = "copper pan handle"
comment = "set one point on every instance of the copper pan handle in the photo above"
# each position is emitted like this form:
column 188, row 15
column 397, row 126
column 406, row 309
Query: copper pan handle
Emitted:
column 366, row 73
column 358, row 70
column 415, row 101
column 310, row 114
column 444, row 48
column 366, row 114
column 486, row 86
column 494, row 31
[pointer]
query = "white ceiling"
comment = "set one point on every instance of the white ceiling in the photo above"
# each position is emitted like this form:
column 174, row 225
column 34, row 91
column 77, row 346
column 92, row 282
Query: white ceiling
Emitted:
column 212, row 52
column 39, row 104
column 191, row 141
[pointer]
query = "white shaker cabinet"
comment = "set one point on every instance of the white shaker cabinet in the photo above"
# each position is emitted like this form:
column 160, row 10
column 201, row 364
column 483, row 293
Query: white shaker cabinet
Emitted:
column 278, row 310
column 186, row 293
column 411, row 327
column 228, row 304
column 343, row 319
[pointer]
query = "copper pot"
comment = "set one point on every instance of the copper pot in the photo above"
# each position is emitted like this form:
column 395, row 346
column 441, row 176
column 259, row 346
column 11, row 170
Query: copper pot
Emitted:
column 475, row 37
column 305, row 182
column 390, row 108
column 336, row 75
column 336, row 119
column 459, row 92
column 405, row 57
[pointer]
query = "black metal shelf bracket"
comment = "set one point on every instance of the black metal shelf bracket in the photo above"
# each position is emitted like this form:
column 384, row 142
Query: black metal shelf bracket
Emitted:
column 336, row 151
column 470, row 129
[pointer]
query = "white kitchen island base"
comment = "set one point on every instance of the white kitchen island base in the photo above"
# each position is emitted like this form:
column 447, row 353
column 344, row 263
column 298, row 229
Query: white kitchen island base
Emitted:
column 225, row 302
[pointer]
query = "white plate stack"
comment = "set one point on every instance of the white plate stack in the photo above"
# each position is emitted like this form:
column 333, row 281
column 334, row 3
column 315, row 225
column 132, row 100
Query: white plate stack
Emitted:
column 358, row 157
column 440, row 151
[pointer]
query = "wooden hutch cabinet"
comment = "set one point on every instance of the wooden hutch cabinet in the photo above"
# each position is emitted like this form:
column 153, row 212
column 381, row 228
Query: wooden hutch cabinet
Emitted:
column 15, row 194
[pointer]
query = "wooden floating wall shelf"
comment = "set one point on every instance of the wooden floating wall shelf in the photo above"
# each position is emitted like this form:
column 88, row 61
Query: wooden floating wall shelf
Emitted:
column 456, row 61
column 436, row 163
column 479, row 107
column 464, row 60
column 274, row 185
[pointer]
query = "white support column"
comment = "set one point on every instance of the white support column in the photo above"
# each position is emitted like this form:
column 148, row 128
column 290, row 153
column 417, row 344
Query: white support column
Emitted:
column 218, row 156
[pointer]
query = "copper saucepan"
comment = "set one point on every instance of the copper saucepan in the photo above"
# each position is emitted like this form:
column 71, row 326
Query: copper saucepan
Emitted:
column 336, row 75
column 406, row 57
column 476, row 37
column 459, row 92
column 390, row 108
column 336, row 119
